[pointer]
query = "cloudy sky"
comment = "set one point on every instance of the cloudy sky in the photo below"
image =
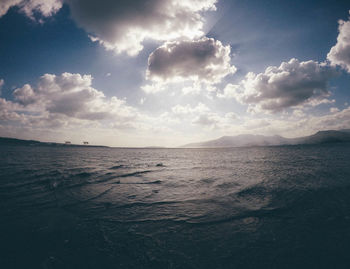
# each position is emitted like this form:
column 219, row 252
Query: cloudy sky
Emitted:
column 171, row 72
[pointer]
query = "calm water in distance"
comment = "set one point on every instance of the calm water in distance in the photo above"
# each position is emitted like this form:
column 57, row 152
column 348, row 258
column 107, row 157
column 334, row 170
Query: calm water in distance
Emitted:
column 258, row 207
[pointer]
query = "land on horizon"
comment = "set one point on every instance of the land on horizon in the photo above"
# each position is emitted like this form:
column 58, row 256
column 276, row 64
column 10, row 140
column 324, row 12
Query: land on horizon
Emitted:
column 242, row 140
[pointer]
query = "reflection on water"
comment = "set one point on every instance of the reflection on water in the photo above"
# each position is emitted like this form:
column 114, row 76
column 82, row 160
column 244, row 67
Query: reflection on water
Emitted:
column 267, row 207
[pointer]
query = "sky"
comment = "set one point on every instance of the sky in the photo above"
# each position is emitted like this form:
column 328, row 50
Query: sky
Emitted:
column 171, row 72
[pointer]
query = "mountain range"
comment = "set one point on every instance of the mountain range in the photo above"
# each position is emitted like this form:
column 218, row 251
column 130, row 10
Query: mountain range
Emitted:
column 247, row 140
column 243, row 140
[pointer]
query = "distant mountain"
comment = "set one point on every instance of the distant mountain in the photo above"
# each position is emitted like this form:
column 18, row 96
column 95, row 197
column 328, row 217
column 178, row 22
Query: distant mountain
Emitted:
column 248, row 140
column 245, row 140
column 325, row 137
column 14, row 141
column 19, row 142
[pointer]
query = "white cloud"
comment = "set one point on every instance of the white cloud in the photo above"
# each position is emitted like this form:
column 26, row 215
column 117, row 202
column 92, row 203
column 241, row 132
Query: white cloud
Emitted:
column 230, row 91
column 153, row 88
column 25, row 95
column 254, row 124
column 122, row 26
column 68, row 97
column 310, row 124
column 206, row 120
column 201, row 115
column 45, row 7
column 337, row 120
column 194, row 89
column 8, row 110
column 299, row 113
column 197, row 115
column 219, row 122
column 334, row 109
column 295, row 125
column 206, row 60
column 183, row 111
column 292, row 84
column 340, row 53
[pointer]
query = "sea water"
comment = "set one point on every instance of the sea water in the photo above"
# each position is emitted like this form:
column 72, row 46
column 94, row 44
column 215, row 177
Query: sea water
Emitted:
column 254, row 207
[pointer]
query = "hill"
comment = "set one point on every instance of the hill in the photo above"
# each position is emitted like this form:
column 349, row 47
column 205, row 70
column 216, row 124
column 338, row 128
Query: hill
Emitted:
column 247, row 140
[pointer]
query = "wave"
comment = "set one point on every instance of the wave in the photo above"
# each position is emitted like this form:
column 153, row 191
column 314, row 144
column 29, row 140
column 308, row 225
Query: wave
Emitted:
column 116, row 167
column 135, row 174
column 244, row 216
column 255, row 190
column 112, row 176
column 137, row 183
column 92, row 198
column 84, row 174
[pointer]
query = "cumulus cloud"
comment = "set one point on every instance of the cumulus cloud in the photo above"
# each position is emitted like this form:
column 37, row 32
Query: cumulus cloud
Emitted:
column 25, row 95
column 122, row 26
column 340, row 53
column 67, row 97
column 45, row 7
column 292, row 84
column 205, row 60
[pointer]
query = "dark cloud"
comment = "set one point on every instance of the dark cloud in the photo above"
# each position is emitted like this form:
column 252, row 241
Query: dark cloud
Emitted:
column 122, row 25
column 205, row 59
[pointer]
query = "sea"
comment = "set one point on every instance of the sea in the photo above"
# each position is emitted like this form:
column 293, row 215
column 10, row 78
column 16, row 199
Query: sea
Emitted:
column 252, row 207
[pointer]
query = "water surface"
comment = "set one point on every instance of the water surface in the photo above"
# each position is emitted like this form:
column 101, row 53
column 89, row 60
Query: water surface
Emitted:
column 259, row 207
